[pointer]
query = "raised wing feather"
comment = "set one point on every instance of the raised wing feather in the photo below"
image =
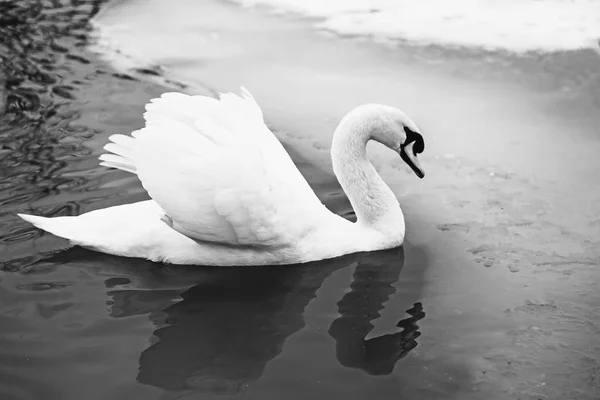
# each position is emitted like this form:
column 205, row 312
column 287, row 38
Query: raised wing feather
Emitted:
column 217, row 170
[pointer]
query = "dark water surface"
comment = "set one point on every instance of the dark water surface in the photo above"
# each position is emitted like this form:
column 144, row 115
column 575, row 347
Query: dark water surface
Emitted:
column 82, row 325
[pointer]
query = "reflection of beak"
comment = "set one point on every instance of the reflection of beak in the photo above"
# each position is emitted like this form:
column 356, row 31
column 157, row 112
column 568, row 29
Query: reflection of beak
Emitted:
column 411, row 159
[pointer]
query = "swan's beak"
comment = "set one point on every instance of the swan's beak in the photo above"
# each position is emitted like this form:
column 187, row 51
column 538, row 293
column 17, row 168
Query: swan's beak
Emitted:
column 409, row 157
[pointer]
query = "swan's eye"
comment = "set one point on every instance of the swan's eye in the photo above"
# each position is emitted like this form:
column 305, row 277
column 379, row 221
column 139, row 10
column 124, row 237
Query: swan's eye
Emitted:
column 412, row 136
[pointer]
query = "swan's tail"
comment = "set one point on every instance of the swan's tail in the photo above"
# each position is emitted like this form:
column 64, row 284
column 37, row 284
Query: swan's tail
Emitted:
column 64, row 227
column 114, row 228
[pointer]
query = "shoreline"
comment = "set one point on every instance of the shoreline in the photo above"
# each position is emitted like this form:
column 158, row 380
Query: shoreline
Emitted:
column 533, row 26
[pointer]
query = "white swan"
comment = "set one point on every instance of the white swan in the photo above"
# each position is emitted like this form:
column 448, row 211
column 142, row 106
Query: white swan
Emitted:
column 225, row 192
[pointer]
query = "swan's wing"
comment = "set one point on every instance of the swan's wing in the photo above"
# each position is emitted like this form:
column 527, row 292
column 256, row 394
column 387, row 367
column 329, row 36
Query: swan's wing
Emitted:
column 217, row 171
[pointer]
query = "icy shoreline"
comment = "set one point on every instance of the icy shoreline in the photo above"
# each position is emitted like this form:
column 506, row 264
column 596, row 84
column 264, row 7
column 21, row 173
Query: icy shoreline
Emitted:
column 514, row 26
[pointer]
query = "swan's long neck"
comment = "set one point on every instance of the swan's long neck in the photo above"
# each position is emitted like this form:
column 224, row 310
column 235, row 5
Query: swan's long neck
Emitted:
column 373, row 201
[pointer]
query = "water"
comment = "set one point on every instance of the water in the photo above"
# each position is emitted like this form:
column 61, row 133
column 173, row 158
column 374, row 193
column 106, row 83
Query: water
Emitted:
column 494, row 294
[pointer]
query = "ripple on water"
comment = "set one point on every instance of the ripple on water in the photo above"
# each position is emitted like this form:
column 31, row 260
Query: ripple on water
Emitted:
column 51, row 91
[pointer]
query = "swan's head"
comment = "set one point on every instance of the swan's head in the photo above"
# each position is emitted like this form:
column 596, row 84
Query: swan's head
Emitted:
column 398, row 132
column 384, row 124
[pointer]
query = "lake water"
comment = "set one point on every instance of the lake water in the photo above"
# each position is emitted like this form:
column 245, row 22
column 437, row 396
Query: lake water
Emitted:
column 494, row 296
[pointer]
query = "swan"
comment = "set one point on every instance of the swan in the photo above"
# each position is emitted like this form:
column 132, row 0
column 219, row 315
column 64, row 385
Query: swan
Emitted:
column 225, row 192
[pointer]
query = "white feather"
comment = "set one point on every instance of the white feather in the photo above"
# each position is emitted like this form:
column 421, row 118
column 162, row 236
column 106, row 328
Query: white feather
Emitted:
column 216, row 170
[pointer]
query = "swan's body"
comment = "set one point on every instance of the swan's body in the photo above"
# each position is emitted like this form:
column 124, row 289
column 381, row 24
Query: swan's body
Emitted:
column 225, row 192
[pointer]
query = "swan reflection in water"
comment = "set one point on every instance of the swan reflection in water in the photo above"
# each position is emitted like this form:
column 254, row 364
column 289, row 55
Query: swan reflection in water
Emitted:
column 218, row 335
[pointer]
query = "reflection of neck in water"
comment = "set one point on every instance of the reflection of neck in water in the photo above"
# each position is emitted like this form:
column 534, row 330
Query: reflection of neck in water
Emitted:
column 371, row 287
column 225, row 330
